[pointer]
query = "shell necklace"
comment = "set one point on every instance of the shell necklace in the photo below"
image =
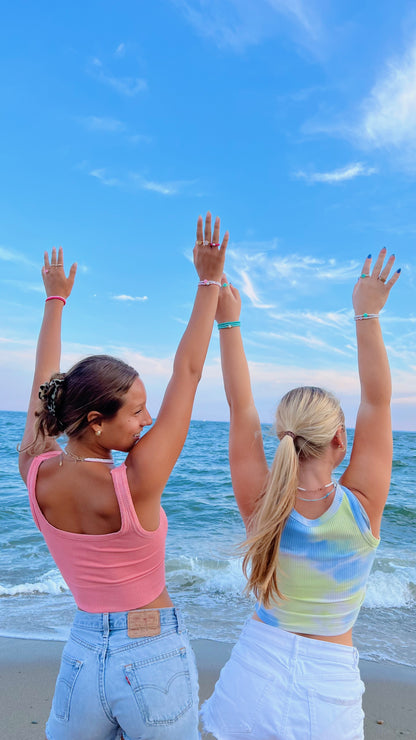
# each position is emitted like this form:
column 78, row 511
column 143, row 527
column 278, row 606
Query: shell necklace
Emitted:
column 332, row 486
column 77, row 458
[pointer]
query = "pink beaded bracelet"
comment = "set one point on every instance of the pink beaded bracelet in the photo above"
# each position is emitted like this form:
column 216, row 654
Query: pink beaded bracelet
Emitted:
column 209, row 282
column 57, row 298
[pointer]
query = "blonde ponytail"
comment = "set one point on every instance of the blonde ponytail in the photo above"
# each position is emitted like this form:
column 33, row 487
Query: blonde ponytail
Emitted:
column 307, row 419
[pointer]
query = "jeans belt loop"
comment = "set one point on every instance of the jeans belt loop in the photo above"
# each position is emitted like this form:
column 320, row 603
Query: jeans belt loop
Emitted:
column 106, row 624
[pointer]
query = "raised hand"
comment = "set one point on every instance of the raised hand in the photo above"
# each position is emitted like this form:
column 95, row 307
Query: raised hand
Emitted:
column 54, row 279
column 372, row 289
column 209, row 254
column 229, row 302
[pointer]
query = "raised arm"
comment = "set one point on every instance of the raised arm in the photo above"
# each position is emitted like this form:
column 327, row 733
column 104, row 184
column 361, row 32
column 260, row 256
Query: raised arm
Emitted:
column 368, row 473
column 150, row 463
column 247, row 460
column 48, row 351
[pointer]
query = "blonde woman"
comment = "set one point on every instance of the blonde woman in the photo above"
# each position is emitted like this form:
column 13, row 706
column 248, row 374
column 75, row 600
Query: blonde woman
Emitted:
column 311, row 541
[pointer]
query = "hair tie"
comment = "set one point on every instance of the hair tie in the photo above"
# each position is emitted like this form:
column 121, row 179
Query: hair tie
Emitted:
column 47, row 393
column 289, row 434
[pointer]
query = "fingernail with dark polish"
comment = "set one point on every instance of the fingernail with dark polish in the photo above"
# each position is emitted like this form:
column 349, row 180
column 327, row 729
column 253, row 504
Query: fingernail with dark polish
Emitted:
column 399, row 270
column 369, row 256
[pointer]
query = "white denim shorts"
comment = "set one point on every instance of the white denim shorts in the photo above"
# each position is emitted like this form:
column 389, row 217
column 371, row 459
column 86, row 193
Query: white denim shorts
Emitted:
column 280, row 686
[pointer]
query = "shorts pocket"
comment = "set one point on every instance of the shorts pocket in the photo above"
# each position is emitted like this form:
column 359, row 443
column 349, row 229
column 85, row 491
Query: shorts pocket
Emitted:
column 67, row 676
column 236, row 704
column 161, row 686
column 337, row 711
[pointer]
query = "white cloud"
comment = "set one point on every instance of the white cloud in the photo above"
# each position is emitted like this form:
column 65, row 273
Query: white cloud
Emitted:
column 100, row 174
column 96, row 123
column 135, row 180
column 120, row 51
column 128, row 86
column 124, row 297
column 9, row 255
column 238, row 24
column 349, row 172
column 248, row 288
column 296, row 270
column 389, row 112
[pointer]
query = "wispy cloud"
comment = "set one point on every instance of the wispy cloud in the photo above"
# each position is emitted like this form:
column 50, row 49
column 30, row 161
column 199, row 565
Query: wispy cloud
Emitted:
column 332, row 319
column 389, row 112
column 120, row 51
column 238, row 24
column 127, row 86
column 97, row 123
column 136, row 180
column 26, row 286
column 292, row 269
column 309, row 340
column 124, row 297
column 100, row 174
column 248, row 288
column 9, row 255
column 349, row 172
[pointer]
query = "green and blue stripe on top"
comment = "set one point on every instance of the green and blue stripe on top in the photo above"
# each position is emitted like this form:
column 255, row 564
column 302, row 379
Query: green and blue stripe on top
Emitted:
column 324, row 565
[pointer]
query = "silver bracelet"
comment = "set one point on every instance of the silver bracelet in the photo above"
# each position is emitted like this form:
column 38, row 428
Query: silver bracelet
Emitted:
column 361, row 316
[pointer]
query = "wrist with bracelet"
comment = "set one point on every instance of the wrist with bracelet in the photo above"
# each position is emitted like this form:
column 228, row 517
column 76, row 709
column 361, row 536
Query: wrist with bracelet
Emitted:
column 228, row 324
column 210, row 282
column 364, row 316
column 56, row 298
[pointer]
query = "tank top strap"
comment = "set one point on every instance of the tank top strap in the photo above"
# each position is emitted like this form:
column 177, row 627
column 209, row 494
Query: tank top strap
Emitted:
column 31, row 481
column 128, row 513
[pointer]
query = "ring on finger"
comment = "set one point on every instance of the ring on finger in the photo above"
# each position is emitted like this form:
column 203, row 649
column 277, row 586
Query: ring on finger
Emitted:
column 214, row 244
column 363, row 275
column 225, row 285
column 383, row 280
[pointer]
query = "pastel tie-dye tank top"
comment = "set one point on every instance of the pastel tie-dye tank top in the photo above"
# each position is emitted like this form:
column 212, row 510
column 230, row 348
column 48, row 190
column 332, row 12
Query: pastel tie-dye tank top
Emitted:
column 323, row 569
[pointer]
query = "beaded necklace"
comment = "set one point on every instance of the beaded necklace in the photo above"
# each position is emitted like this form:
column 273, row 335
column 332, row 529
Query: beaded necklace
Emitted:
column 330, row 485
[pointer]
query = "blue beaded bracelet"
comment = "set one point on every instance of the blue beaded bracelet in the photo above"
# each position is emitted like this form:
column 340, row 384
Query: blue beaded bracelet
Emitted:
column 228, row 324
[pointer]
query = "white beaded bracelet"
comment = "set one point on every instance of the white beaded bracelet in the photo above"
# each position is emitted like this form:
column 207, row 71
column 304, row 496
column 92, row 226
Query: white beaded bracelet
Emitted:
column 209, row 282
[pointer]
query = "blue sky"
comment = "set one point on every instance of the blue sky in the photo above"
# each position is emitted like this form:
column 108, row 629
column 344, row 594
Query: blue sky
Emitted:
column 293, row 120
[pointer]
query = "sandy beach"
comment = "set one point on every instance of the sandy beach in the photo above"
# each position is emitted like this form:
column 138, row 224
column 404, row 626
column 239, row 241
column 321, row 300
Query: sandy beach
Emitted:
column 28, row 670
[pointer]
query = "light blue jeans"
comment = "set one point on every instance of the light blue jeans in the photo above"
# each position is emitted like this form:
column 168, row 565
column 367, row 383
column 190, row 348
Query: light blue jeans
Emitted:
column 112, row 686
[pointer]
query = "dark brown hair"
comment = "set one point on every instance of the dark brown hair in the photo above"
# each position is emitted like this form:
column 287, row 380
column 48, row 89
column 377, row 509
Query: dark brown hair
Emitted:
column 96, row 383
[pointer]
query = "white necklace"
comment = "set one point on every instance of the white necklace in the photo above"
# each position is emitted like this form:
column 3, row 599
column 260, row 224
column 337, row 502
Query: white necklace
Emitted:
column 330, row 485
column 77, row 458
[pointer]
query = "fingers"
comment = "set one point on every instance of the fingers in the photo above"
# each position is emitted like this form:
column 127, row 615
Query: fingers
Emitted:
column 199, row 232
column 384, row 273
column 216, row 234
column 72, row 273
column 207, row 231
column 394, row 278
column 224, row 243
column 379, row 263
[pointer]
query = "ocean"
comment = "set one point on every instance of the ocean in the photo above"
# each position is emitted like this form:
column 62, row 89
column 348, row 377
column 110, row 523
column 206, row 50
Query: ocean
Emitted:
column 203, row 572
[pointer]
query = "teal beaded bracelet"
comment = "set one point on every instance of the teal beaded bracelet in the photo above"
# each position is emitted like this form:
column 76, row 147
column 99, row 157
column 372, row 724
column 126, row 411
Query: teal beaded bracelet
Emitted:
column 228, row 324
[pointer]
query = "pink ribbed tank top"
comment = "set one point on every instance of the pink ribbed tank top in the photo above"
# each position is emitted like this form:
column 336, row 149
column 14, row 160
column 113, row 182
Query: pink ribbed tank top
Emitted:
column 113, row 572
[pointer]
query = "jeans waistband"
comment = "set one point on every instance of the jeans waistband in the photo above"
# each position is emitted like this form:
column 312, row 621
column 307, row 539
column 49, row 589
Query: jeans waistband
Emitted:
column 110, row 621
column 296, row 645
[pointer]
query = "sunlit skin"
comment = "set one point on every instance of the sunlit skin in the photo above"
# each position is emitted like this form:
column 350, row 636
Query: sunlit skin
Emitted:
column 121, row 432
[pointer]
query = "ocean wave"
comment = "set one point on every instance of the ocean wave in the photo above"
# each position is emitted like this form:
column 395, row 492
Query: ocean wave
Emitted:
column 206, row 575
column 50, row 583
column 392, row 589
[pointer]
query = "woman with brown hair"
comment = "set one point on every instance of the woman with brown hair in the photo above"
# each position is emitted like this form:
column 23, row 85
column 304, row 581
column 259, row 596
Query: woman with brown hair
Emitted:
column 311, row 541
column 128, row 669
